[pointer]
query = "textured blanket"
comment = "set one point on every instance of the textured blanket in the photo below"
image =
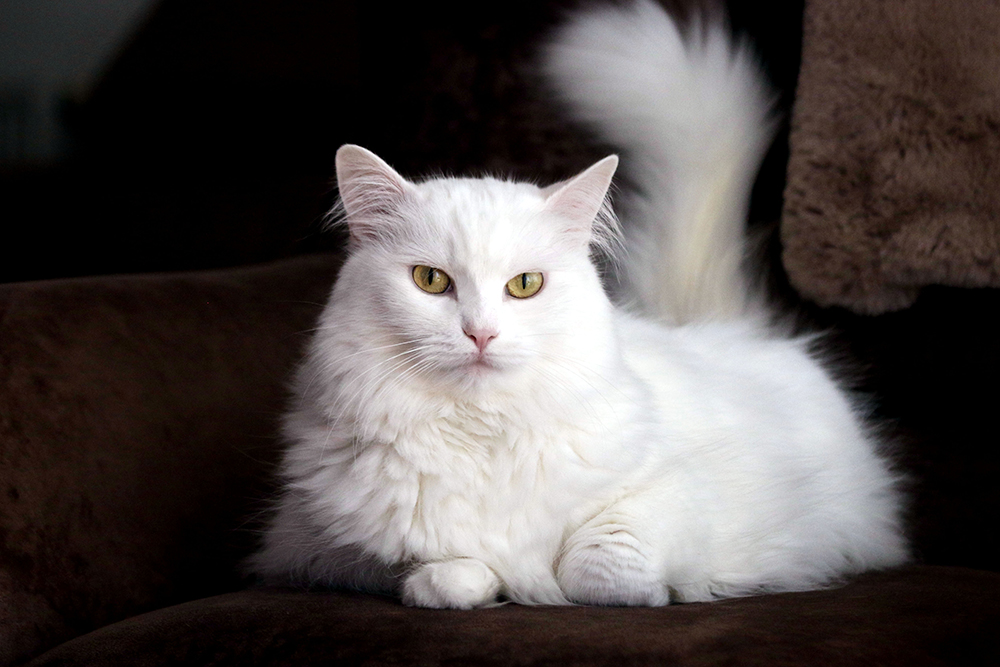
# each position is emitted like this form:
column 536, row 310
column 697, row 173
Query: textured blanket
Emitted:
column 894, row 176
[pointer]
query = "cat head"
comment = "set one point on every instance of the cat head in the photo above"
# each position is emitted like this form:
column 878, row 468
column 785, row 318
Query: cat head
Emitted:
column 471, row 280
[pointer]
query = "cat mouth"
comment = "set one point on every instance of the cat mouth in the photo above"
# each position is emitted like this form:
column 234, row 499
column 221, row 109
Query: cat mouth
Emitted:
column 481, row 363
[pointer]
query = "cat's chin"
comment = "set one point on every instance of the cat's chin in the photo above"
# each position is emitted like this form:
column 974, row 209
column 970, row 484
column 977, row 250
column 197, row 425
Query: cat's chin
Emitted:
column 477, row 370
column 482, row 366
column 472, row 380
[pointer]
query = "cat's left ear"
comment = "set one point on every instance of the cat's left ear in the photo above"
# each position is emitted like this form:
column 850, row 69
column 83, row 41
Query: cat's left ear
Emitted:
column 579, row 200
column 372, row 193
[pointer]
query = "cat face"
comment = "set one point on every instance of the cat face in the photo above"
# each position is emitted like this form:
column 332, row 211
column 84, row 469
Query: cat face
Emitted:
column 467, row 280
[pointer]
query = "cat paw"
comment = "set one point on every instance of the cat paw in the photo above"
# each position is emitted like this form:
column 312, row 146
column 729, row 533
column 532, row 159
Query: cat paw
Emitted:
column 605, row 564
column 459, row 583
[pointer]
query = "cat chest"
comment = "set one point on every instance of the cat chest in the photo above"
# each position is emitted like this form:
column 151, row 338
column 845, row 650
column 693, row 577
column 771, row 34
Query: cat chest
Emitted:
column 475, row 492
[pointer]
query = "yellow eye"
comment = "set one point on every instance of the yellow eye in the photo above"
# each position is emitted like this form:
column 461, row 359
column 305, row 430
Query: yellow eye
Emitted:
column 429, row 279
column 524, row 285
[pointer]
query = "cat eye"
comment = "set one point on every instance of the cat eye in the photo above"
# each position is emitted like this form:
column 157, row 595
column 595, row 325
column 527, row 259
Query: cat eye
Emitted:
column 431, row 280
column 524, row 285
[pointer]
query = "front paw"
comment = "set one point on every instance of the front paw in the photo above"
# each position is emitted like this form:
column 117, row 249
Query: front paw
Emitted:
column 458, row 583
column 604, row 563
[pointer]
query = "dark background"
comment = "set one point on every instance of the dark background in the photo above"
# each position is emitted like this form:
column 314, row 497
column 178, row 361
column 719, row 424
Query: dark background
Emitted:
column 210, row 141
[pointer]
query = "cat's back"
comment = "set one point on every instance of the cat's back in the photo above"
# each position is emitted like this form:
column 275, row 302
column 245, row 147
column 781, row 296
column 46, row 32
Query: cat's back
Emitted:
column 736, row 380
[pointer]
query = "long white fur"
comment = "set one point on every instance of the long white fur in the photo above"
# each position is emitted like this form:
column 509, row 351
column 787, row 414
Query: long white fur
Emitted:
column 589, row 454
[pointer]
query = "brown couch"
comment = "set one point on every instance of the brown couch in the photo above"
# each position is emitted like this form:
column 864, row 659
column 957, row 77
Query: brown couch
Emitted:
column 138, row 411
column 137, row 432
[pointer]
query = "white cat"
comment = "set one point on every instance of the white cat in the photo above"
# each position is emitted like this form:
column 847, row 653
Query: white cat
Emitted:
column 475, row 420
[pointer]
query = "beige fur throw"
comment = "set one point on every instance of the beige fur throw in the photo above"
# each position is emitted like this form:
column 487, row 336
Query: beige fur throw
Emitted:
column 894, row 175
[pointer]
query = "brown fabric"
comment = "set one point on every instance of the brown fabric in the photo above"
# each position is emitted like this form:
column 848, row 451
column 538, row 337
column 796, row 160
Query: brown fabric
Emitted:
column 913, row 617
column 894, row 176
column 137, row 421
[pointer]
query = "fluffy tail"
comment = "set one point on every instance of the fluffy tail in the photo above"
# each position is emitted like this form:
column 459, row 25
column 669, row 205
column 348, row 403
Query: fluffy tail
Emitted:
column 692, row 116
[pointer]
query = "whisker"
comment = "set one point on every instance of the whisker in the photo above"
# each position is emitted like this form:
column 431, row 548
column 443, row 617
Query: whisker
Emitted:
column 327, row 364
column 370, row 378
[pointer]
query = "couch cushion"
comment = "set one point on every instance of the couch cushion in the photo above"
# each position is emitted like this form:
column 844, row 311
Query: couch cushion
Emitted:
column 137, row 422
column 914, row 616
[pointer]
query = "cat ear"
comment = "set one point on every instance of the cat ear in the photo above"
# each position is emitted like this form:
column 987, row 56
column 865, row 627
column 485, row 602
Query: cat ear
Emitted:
column 371, row 191
column 580, row 199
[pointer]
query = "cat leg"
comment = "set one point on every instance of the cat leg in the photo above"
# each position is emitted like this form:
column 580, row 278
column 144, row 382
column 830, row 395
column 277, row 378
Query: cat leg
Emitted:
column 606, row 562
column 457, row 583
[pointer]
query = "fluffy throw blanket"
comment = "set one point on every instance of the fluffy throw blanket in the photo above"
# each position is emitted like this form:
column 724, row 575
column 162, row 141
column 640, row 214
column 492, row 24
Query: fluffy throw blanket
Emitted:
column 894, row 176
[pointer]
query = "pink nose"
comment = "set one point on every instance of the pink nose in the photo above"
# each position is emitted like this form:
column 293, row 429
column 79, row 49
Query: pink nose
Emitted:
column 481, row 337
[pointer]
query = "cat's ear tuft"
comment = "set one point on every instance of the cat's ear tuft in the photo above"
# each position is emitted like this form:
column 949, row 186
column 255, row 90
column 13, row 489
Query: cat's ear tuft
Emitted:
column 372, row 193
column 580, row 199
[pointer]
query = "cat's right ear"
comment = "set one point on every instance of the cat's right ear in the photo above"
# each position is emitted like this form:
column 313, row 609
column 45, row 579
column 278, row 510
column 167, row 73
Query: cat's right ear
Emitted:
column 372, row 193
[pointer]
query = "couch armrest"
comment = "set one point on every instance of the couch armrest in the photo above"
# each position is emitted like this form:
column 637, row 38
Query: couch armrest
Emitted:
column 137, row 434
